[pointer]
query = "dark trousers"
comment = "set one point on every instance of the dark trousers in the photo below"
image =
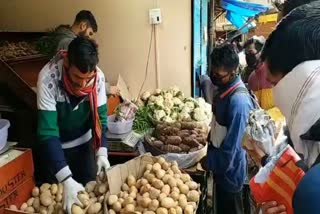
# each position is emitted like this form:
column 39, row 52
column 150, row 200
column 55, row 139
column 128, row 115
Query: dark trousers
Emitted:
column 228, row 202
column 81, row 161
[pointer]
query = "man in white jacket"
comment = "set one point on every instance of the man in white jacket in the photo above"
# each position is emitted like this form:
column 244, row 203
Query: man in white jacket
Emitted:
column 292, row 56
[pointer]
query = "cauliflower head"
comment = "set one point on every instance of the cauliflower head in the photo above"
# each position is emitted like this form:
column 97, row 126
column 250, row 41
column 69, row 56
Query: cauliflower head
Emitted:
column 159, row 114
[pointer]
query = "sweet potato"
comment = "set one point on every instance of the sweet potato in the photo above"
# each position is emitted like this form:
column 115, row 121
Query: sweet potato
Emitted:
column 173, row 140
column 157, row 143
column 171, row 148
column 184, row 147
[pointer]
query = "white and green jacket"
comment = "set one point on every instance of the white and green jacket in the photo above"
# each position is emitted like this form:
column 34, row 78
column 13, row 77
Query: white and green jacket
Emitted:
column 64, row 121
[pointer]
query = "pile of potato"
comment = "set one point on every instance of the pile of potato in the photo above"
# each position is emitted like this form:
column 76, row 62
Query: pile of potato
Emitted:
column 179, row 137
column 163, row 189
column 48, row 199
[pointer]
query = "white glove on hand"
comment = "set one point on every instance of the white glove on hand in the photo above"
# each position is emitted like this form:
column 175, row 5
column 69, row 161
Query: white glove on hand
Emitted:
column 70, row 194
column 102, row 159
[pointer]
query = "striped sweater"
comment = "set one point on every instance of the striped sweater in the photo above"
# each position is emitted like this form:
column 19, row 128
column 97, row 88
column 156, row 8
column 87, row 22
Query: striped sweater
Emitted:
column 64, row 121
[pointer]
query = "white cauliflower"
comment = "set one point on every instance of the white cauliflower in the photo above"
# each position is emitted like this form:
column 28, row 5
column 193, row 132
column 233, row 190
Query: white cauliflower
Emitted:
column 168, row 103
column 176, row 101
column 167, row 119
column 159, row 101
column 186, row 109
column 159, row 114
column 168, row 96
column 174, row 90
column 201, row 102
column 174, row 115
column 152, row 99
column 189, row 104
column 199, row 115
column 184, row 116
column 145, row 95
column 167, row 110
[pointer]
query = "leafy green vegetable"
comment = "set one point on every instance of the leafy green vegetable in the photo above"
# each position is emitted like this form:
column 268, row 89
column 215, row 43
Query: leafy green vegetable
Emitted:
column 143, row 120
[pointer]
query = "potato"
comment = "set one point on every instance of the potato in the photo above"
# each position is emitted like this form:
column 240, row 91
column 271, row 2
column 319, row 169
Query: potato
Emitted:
column 172, row 211
column 183, row 201
column 35, row 192
column 54, row 189
column 185, row 178
column 84, row 199
column 29, row 210
column 116, row 206
column 111, row 211
column 153, row 205
column 184, row 189
column 193, row 196
column 165, row 166
column 45, row 199
column 160, row 173
column 192, row 185
column 58, row 197
column 175, row 189
column 133, row 189
column 129, row 208
column 149, row 212
column 145, row 188
column 121, row 200
column 179, row 210
column 179, row 182
column 146, row 195
column 162, row 196
column 167, row 202
column 156, row 167
column 145, row 202
column 112, row 199
column 13, row 207
column 177, row 176
column 101, row 189
column 144, row 181
column 138, row 184
column 131, row 180
column 172, row 182
column 149, row 167
column 175, row 196
column 193, row 204
column 162, row 210
column 150, row 177
column 90, row 186
column 125, row 195
column 43, row 210
column 45, row 187
column 165, row 178
column 125, row 187
column 170, row 172
column 161, row 160
column 188, row 209
column 76, row 210
column 101, row 199
column 154, row 193
column 175, row 169
column 133, row 195
column 60, row 188
column 94, row 208
column 157, row 184
column 166, row 189
column 36, row 204
column 23, row 206
column 128, row 200
column 30, row 202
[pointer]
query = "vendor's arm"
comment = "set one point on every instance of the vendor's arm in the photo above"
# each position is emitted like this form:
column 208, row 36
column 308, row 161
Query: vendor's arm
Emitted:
column 48, row 130
column 239, row 109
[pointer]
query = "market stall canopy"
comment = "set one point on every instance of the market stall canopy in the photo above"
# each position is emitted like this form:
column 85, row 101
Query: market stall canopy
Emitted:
column 239, row 12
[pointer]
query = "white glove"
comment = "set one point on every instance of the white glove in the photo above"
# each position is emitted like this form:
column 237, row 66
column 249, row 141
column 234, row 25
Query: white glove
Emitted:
column 70, row 194
column 102, row 159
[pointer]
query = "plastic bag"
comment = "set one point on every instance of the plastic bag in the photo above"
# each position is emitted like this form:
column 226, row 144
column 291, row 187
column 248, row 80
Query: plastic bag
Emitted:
column 186, row 160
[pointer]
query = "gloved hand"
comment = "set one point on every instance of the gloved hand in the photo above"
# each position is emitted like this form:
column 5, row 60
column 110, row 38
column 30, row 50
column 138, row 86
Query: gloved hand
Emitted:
column 70, row 194
column 102, row 159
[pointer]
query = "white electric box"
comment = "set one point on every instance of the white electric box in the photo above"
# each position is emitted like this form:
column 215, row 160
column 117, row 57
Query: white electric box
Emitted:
column 155, row 16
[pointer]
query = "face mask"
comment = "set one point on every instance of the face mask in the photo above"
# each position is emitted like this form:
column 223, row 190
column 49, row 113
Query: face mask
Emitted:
column 251, row 59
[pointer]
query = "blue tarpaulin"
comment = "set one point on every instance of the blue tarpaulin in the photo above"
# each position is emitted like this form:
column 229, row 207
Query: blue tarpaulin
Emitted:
column 238, row 12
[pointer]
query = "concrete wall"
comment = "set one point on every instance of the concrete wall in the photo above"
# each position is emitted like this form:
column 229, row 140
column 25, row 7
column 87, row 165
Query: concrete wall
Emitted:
column 123, row 35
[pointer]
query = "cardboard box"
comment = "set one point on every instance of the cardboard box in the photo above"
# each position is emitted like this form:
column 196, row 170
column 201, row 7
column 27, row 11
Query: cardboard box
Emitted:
column 18, row 196
column 16, row 167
